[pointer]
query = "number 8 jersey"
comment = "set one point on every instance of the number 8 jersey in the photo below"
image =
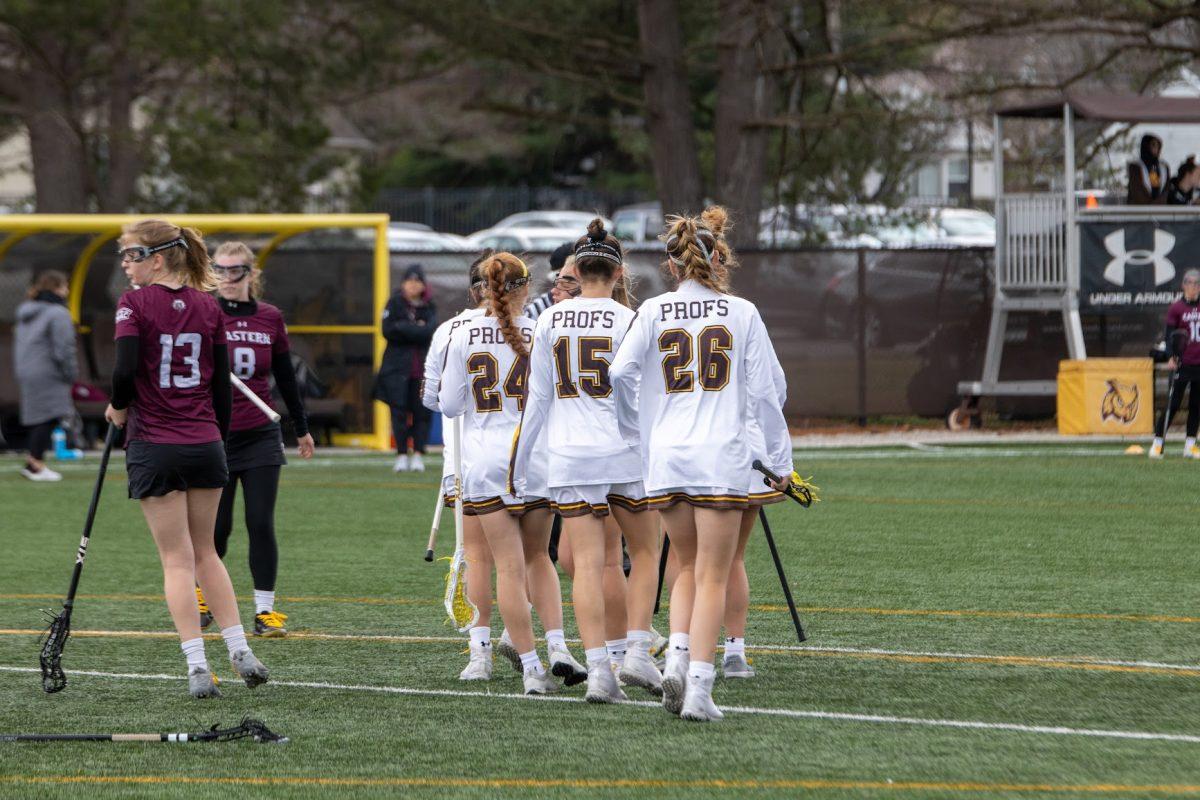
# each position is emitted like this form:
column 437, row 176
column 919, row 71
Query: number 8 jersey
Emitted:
column 485, row 380
column 256, row 333
column 176, row 329
column 694, row 367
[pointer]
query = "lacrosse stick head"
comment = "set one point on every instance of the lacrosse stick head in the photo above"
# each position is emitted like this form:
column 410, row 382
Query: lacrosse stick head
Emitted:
column 462, row 612
column 53, row 677
column 250, row 728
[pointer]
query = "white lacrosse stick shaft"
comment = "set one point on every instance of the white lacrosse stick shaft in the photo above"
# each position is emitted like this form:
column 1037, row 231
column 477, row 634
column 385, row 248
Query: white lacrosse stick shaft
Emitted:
column 271, row 413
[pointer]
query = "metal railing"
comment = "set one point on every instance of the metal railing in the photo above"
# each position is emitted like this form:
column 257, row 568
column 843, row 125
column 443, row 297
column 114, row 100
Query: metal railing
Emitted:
column 1033, row 242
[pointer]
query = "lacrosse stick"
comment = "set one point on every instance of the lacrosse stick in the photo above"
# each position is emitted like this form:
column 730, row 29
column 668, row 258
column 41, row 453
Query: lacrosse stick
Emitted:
column 802, row 490
column 1177, row 345
column 462, row 612
column 53, row 677
column 271, row 413
column 783, row 581
column 437, row 523
column 662, row 570
column 247, row 729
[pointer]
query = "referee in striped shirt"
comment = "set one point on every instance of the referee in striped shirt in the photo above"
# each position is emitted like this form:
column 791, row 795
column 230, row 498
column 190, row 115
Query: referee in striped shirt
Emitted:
column 546, row 299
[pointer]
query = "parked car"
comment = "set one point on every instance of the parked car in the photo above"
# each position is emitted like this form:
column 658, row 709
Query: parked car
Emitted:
column 965, row 227
column 413, row 237
column 570, row 220
column 814, row 226
column 524, row 240
column 638, row 223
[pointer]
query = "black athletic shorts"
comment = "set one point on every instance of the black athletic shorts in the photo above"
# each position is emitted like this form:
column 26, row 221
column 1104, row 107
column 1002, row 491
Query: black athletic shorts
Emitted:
column 257, row 447
column 158, row 469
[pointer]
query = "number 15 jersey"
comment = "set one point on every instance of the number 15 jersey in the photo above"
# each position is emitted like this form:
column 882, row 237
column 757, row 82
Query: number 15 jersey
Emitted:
column 695, row 366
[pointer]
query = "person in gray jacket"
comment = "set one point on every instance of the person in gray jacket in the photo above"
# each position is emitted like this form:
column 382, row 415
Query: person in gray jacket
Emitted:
column 44, row 356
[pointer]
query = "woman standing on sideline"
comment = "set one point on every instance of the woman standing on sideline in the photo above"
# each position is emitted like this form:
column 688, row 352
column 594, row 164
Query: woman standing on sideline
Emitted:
column 44, row 361
column 171, row 384
column 409, row 321
column 258, row 350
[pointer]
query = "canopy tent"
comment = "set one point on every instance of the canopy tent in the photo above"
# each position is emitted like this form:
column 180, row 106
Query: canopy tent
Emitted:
column 353, row 323
column 1108, row 107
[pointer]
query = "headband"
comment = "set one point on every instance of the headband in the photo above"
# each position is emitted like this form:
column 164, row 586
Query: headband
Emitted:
column 598, row 249
column 701, row 234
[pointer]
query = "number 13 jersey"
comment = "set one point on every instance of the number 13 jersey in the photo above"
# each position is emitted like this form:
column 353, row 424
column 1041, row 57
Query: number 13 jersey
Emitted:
column 695, row 366
column 571, row 398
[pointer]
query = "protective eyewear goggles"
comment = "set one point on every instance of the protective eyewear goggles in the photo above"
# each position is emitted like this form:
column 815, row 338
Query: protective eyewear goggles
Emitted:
column 568, row 284
column 232, row 273
column 140, row 252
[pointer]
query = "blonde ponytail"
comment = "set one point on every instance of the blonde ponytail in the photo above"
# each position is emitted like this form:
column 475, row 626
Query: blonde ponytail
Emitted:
column 692, row 243
column 189, row 263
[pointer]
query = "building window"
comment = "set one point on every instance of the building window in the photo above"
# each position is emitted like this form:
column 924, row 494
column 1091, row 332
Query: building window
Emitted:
column 958, row 178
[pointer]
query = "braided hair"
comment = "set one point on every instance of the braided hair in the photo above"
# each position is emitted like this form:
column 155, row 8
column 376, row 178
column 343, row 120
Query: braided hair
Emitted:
column 504, row 274
column 691, row 244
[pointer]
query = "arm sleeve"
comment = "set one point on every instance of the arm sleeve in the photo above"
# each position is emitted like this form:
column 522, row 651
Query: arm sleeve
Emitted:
column 285, row 379
column 625, row 375
column 123, row 372
column 537, row 407
column 435, row 360
column 452, row 394
column 764, row 398
column 221, row 391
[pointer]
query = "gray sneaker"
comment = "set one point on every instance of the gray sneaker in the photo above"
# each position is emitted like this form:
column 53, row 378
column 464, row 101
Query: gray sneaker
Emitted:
column 202, row 683
column 674, row 681
column 736, row 666
column 507, row 650
column 251, row 670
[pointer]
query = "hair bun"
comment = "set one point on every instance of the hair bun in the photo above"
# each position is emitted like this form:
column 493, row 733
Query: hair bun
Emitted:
column 716, row 219
column 595, row 230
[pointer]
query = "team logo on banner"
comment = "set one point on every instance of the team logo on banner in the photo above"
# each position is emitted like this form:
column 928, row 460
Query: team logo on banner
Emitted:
column 1120, row 402
column 1164, row 270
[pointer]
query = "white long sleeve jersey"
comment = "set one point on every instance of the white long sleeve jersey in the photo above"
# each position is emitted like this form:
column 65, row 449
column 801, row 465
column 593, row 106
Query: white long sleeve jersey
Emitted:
column 694, row 366
column 485, row 381
column 435, row 360
column 571, row 399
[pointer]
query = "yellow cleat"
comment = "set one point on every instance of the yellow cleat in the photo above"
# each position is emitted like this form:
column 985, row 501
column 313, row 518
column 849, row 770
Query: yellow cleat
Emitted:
column 206, row 617
column 270, row 624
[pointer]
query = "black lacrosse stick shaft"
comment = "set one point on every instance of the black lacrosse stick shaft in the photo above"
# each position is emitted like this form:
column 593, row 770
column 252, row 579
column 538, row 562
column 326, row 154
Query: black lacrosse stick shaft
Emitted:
column 109, row 440
column 801, row 495
column 783, row 581
column 662, row 570
column 248, row 729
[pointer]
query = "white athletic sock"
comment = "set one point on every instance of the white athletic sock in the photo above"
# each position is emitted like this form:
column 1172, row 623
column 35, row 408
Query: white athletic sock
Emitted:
column 700, row 670
column 193, row 649
column 1189, row 443
column 735, row 647
column 235, row 638
column 264, row 602
column 616, row 651
column 638, row 636
column 556, row 639
column 1158, row 442
column 679, row 641
column 530, row 661
column 596, row 656
column 481, row 636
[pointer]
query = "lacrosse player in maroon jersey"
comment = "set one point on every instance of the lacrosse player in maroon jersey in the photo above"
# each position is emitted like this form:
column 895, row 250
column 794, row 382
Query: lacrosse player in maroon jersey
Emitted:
column 171, row 392
column 258, row 349
column 1183, row 343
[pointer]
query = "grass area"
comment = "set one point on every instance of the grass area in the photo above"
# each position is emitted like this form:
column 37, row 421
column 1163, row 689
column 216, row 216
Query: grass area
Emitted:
column 1044, row 587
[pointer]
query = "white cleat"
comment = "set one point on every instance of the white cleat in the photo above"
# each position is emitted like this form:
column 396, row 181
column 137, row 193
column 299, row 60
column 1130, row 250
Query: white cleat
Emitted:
column 416, row 463
column 639, row 669
column 479, row 667
column 43, row 475
column 506, row 649
column 698, row 706
column 202, row 683
column 1156, row 451
column 539, row 683
column 602, row 685
column 401, row 464
column 564, row 666
column 1192, row 452
column 736, row 666
column 674, row 681
column 249, row 668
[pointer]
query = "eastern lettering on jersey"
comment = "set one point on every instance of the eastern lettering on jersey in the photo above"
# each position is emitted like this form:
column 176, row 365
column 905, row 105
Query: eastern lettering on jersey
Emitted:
column 693, row 309
column 1185, row 316
column 249, row 337
column 254, row 339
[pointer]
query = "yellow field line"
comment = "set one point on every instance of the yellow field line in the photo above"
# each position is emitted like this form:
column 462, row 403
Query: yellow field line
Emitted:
column 615, row 783
column 1044, row 662
column 770, row 607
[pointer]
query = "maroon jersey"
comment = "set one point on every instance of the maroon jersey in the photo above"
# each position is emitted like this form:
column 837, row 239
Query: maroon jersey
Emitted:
column 177, row 329
column 253, row 340
column 1186, row 317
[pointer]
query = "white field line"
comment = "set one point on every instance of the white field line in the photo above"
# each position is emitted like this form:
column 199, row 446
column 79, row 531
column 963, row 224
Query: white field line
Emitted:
column 760, row 647
column 879, row 719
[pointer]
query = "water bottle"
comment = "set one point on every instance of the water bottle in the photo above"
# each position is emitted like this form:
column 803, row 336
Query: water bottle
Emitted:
column 61, row 451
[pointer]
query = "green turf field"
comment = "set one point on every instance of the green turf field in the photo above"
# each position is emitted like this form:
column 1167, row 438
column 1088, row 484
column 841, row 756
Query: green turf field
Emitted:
column 983, row 622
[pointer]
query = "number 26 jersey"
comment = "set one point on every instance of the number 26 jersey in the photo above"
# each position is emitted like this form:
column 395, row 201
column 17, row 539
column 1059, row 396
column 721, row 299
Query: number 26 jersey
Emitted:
column 694, row 368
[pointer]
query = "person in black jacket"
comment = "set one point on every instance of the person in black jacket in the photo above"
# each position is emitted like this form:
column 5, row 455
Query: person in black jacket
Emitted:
column 408, row 324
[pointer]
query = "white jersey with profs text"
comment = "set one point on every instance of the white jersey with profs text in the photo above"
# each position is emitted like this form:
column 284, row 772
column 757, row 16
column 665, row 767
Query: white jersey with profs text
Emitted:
column 435, row 360
column 694, row 367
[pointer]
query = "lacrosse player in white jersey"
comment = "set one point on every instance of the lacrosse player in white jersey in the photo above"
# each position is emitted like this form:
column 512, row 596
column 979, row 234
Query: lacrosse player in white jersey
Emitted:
column 706, row 358
column 485, row 378
column 479, row 557
column 592, row 471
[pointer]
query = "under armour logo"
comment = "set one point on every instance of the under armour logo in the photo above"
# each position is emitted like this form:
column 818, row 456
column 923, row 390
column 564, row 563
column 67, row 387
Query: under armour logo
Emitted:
column 1164, row 270
column 242, row 324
